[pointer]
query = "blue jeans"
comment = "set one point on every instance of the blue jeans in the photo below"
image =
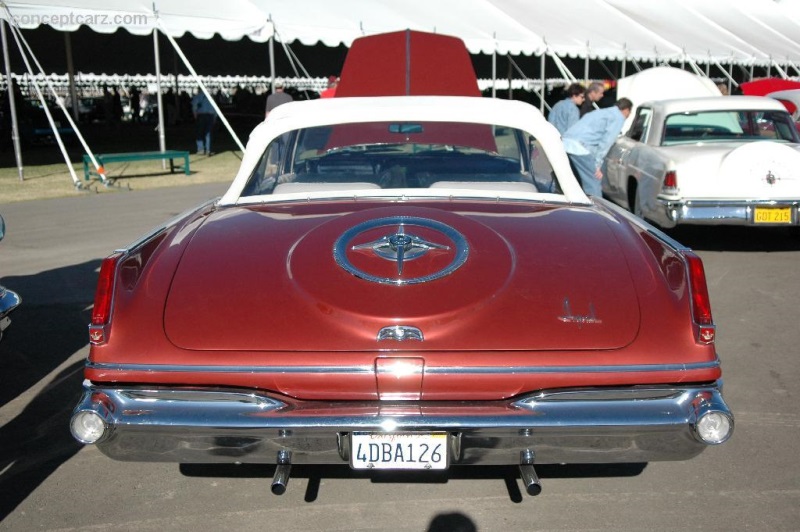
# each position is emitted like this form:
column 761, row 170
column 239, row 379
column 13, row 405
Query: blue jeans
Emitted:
column 583, row 166
column 204, row 127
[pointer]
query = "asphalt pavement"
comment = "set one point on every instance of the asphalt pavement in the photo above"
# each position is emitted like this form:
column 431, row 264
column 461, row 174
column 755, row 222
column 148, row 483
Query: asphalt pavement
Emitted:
column 51, row 254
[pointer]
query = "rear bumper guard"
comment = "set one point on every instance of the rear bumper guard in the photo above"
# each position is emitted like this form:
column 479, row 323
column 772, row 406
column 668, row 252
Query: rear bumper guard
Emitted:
column 712, row 212
column 632, row 424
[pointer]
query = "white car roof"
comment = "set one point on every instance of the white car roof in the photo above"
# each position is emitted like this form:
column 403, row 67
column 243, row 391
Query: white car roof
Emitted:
column 715, row 103
column 465, row 109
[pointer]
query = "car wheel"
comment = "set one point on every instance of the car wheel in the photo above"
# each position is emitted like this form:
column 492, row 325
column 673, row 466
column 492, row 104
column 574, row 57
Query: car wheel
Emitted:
column 637, row 205
column 633, row 198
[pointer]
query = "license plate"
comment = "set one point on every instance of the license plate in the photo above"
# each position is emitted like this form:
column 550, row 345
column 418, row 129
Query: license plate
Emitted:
column 772, row 215
column 413, row 450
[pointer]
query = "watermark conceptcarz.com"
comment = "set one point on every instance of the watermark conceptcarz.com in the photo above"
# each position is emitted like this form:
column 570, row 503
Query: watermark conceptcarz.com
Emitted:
column 89, row 19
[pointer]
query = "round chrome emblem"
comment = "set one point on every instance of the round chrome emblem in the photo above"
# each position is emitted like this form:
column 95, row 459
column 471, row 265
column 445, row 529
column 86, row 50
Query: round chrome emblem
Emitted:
column 404, row 239
column 770, row 178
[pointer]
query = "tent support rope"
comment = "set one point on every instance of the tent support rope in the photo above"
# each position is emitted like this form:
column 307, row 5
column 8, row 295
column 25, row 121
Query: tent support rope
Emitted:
column 48, row 114
column 201, row 84
column 60, row 102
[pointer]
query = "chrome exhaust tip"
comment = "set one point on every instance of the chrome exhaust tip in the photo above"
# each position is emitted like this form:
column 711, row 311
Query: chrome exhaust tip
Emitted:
column 282, row 472
column 530, row 479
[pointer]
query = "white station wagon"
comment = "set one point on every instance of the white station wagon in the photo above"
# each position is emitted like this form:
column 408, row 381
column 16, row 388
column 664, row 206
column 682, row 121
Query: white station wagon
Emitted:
column 716, row 160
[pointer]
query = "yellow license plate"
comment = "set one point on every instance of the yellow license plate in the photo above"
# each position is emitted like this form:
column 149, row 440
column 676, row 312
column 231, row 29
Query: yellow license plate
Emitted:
column 772, row 215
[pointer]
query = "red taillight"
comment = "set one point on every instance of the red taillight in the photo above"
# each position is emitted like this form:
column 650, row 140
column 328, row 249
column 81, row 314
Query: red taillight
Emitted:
column 101, row 312
column 701, row 303
column 670, row 180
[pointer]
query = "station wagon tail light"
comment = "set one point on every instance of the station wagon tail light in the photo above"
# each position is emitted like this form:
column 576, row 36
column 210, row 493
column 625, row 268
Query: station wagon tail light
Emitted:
column 670, row 184
column 701, row 303
column 101, row 312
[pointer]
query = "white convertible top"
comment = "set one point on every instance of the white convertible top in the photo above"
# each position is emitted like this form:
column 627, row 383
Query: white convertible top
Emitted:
column 329, row 111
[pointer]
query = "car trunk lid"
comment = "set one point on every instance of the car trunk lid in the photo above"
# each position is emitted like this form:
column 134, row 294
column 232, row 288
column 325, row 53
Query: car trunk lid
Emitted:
column 754, row 170
column 485, row 278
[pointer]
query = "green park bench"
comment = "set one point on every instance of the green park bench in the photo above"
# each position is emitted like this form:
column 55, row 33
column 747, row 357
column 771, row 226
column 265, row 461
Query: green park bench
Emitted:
column 103, row 160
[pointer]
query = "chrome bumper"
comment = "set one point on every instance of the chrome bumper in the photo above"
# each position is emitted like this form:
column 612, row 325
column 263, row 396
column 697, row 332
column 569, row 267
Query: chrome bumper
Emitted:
column 636, row 424
column 712, row 212
column 8, row 301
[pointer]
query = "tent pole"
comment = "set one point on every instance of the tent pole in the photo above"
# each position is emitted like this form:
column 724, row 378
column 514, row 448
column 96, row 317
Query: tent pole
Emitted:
column 60, row 102
column 541, row 75
column 73, row 94
column 730, row 76
column 510, row 75
column 494, row 72
column 12, row 103
column 624, row 60
column 272, row 58
column 586, row 66
column 47, row 113
column 162, row 138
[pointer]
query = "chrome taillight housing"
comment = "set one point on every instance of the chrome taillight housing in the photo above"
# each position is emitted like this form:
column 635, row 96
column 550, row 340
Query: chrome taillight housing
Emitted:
column 101, row 311
column 670, row 184
column 701, row 303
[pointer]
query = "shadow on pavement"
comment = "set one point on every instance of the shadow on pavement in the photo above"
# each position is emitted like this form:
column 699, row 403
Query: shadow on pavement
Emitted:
column 507, row 474
column 48, row 327
column 46, row 331
column 732, row 238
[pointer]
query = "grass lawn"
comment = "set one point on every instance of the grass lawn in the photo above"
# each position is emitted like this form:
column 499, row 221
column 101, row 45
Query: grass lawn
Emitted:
column 54, row 180
column 46, row 175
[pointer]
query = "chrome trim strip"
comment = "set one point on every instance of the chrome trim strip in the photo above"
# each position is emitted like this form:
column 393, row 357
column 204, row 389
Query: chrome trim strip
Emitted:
column 177, row 368
column 630, row 368
column 412, row 194
column 733, row 203
column 439, row 370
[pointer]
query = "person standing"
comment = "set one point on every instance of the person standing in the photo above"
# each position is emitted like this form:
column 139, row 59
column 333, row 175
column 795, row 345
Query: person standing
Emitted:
column 278, row 97
column 588, row 142
column 204, row 116
column 594, row 93
column 565, row 113
column 136, row 106
column 116, row 100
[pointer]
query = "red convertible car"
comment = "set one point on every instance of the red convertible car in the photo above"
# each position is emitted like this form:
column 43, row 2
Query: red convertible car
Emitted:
column 403, row 282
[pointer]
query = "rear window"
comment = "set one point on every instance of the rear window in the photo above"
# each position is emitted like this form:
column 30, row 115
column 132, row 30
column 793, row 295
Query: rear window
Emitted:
column 388, row 155
column 712, row 126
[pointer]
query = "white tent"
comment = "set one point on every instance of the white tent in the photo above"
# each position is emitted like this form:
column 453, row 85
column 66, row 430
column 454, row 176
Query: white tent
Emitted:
column 662, row 83
column 481, row 25
column 202, row 18
column 724, row 31
column 712, row 32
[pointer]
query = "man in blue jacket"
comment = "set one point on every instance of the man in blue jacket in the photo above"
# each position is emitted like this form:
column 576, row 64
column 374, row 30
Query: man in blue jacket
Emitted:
column 588, row 142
